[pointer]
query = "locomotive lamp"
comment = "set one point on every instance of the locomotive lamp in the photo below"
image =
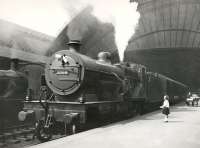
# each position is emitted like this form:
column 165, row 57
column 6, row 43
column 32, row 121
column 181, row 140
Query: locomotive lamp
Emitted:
column 81, row 99
column 27, row 98
column 28, row 95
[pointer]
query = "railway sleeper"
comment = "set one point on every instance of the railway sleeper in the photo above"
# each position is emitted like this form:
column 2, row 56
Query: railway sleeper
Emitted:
column 13, row 136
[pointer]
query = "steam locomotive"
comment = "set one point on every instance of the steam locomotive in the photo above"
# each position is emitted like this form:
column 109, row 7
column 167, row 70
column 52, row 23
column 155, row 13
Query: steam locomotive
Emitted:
column 12, row 93
column 77, row 90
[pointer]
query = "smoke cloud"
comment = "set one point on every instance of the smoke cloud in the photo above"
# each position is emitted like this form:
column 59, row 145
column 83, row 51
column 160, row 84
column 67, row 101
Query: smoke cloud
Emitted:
column 122, row 14
column 80, row 25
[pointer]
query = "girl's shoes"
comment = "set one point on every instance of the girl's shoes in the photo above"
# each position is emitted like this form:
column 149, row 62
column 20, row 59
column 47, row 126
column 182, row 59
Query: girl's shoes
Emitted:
column 166, row 119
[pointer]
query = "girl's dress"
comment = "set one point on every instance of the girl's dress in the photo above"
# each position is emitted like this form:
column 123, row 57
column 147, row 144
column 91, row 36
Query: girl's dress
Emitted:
column 165, row 109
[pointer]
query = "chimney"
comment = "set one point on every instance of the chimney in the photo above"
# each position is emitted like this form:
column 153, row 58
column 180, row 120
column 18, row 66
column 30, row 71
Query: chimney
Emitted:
column 74, row 45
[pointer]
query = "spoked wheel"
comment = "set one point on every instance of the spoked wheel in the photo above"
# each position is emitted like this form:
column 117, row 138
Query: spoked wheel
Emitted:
column 43, row 134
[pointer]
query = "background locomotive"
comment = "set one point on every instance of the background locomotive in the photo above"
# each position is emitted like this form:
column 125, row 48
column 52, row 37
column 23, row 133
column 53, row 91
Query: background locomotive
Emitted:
column 16, row 82
column 12, row 93
column 78, row 90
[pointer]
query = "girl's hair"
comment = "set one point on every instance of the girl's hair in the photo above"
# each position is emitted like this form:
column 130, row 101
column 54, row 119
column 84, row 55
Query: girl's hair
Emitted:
column 166, row 97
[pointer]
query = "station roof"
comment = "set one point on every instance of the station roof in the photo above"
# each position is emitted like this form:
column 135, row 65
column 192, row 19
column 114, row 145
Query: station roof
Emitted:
column 16, row 37
column 167, row 39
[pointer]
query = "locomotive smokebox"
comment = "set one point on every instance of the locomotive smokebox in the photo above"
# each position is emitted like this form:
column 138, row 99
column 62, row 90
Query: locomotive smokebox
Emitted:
column 74, row 45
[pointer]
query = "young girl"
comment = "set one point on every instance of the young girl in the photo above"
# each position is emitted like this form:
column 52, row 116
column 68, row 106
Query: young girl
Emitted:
column 165, row 107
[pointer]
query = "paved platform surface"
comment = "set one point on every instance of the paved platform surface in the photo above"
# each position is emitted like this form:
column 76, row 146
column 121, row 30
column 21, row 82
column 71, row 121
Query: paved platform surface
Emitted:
column 147, row 131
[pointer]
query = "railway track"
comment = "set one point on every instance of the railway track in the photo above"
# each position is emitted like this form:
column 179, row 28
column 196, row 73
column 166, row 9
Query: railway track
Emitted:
column 16, row 134
column 22, row 135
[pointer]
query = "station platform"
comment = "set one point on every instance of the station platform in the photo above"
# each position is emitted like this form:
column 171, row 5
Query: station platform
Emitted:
column 147, row 131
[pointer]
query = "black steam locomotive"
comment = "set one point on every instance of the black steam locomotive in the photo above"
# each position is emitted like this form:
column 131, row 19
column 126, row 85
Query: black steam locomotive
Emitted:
column 78, row 90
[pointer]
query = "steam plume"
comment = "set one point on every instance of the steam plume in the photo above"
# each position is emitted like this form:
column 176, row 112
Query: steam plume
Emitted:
column 122, row 14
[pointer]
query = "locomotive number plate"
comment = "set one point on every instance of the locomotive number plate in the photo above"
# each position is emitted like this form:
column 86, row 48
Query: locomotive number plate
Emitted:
column 62, row 73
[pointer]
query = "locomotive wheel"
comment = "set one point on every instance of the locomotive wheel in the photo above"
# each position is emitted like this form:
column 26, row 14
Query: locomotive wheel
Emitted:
column 43, row 134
